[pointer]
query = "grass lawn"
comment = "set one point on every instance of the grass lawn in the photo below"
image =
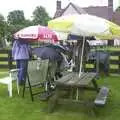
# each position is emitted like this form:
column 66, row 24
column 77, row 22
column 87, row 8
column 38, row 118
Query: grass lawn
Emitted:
column 18, row 108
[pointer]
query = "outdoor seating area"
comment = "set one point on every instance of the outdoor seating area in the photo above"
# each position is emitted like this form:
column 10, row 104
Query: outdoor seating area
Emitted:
column 62, row 67
column 55, row 73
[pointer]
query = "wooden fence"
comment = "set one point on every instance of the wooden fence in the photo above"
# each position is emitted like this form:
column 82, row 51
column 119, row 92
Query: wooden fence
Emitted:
column 114, row 63
column 5, row 59
column 7, row 62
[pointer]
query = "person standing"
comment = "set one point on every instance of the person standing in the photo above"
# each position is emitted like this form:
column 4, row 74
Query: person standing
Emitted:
column 21, row 53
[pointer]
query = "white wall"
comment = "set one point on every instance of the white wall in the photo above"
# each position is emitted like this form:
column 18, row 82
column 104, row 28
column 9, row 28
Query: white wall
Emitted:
column 116, row 42
column 97, row 42
column 70, row 10
column 116, row 3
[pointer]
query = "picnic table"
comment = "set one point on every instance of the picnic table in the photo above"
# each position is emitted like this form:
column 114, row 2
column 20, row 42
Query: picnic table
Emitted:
column 74, row 87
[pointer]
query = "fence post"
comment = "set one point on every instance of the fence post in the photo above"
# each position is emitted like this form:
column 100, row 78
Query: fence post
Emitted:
column 119, row 65
column 9, row 59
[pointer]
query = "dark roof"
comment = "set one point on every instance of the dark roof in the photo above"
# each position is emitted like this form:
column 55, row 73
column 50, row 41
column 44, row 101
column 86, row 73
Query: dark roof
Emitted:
column 100, row 11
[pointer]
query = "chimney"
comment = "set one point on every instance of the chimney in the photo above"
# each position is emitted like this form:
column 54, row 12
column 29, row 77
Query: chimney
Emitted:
column 110, row 9
column 110, row 4
column 58, row 5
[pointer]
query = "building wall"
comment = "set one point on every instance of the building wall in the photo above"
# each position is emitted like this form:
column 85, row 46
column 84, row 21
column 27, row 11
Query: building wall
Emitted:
column 70, row 10
column 116, row 42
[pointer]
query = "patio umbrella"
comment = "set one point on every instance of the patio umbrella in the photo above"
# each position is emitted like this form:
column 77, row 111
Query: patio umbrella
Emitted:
column 45, row 52
column 85, row 25
column 57, row 47
column 37, row 33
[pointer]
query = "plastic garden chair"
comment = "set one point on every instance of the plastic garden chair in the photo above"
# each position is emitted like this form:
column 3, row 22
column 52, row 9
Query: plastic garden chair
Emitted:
column 8, row 80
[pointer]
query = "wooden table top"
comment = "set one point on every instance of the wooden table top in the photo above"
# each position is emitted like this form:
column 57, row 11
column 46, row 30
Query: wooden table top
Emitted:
column 72, row 79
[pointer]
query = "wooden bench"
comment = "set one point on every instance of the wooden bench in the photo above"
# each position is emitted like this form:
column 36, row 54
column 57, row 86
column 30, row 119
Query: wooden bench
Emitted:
column 102, row 96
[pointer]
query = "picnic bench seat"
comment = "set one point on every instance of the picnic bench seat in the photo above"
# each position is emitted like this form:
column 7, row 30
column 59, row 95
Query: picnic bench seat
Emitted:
column 102, row 96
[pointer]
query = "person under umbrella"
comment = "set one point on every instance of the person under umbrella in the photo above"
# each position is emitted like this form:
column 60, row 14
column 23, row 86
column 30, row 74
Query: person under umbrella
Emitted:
column 101, row 59
column 21, row 53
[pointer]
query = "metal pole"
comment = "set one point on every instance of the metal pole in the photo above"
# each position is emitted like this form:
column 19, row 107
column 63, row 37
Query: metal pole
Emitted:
column 81, row 57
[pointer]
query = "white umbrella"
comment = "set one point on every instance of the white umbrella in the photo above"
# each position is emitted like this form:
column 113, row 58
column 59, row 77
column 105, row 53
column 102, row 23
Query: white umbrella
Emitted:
column 85, row 25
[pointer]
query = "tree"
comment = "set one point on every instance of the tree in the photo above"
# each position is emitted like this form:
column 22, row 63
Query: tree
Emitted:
column 2, row 27
column 27, row 23
column 40, row 16
column 118, row 9
column 1, row 17
column 16, row 17
column 16, row 21
column 11, row 29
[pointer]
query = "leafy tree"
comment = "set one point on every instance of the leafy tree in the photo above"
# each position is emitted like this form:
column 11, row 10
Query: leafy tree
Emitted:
column 11, row 29
column 1, row 17
column 118, row 9
column 40, row 16
column 27, row 23
column 16, row 17
column 16, row 21
column 2, row 27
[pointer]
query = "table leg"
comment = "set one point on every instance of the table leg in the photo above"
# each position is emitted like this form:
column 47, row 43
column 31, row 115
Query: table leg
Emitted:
column 95, row 85
column 52, row 103
column 77, row 94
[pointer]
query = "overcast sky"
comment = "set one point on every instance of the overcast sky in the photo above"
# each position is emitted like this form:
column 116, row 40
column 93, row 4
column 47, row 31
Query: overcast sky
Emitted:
column 28, row 6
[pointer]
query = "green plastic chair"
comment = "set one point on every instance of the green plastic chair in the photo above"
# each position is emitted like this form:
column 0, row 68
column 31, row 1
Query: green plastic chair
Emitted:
column 36, row 77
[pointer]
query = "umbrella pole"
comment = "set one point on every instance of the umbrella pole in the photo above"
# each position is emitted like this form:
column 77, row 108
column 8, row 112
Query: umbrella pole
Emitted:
column 81, row 57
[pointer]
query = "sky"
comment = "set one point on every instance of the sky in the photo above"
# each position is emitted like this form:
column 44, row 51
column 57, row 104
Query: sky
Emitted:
column 28, row 6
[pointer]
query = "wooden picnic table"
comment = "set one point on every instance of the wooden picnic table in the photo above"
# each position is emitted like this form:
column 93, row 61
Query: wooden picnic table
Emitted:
column 75, row 86
column 73, row 80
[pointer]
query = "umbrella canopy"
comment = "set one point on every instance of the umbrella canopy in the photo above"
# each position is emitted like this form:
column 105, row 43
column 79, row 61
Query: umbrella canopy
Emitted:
column 67, row 36
column 45, row 52
column 57, row 47
column 85, row 25
column 37, row 32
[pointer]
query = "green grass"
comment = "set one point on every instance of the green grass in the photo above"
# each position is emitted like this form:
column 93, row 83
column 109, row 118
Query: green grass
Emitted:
column 18, row 108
